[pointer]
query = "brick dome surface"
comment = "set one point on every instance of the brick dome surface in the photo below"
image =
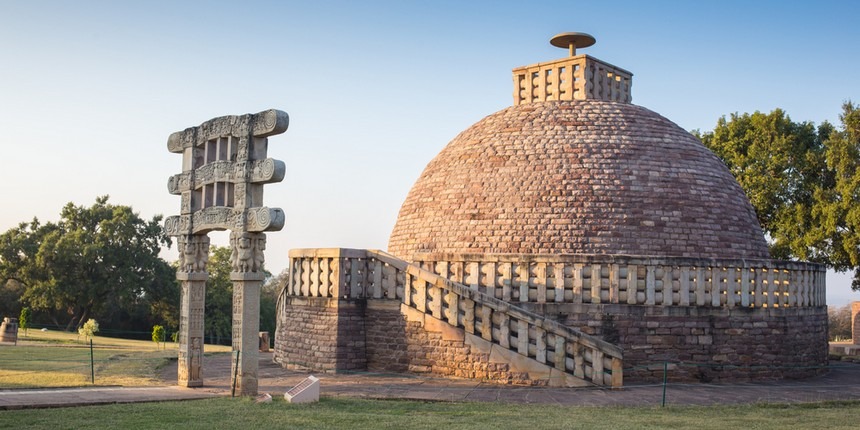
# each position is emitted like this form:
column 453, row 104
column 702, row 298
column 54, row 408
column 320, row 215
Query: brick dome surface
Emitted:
column 577, row 177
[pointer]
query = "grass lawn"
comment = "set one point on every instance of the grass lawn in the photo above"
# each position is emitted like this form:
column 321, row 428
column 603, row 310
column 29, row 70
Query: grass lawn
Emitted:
column 59, row 359
column 226, row 413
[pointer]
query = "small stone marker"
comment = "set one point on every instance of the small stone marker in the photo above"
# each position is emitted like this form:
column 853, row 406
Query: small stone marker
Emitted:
column 264, row 398
column 264, row 341
column 9, row 330
column 305, row 392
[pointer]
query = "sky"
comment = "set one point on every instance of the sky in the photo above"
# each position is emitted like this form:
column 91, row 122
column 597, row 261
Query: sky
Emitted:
column 90, row 90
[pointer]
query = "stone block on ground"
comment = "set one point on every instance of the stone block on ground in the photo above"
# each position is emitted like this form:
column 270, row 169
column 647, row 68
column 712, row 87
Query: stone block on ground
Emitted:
column 305, row 392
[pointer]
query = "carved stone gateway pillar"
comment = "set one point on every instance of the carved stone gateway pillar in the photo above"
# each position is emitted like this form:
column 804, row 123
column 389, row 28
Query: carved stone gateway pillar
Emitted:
column 247, row 276
column 224, row 168
column 193, row 255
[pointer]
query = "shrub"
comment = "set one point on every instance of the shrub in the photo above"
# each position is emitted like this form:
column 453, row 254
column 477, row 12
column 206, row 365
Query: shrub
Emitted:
column 24, row 320
column 157, row 334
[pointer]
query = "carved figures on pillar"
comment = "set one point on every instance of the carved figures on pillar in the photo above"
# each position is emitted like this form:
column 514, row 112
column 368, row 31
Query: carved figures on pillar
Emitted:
column 191, row 312
column 193, row 253
column 247, row 256
column 224, row 169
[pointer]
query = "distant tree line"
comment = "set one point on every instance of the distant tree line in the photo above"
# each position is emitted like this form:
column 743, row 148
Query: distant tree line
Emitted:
column 101, row 262
column 802, row 180
column 839, row 322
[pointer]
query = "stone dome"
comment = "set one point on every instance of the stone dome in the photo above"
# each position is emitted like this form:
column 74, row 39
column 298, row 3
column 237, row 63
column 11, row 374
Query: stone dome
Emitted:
column 577, row 177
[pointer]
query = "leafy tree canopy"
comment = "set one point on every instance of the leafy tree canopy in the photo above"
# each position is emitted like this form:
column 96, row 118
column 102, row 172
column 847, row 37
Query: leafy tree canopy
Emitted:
column 803, row 181
column 98, row 261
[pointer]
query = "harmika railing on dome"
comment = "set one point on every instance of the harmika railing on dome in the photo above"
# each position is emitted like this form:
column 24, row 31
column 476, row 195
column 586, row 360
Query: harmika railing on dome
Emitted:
column 577, row 77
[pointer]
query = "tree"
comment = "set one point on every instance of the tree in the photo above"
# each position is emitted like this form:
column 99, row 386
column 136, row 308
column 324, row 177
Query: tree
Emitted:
column 839, row 323
column 802, row 181
column 10, row 294
column 839, row 211
column 98, row 261
column 24, row 320
column 89, row 329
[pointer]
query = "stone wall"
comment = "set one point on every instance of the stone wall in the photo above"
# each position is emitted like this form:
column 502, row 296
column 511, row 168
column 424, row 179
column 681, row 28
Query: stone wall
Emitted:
column 321, row 334
column 705, row 344
column 400, row 339
column 700, row 344
column 387, row 340
column 332, row 336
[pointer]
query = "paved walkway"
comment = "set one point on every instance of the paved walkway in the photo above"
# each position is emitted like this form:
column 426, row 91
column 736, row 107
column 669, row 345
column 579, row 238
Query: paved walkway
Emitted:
column 64, row 397
column 842, row 383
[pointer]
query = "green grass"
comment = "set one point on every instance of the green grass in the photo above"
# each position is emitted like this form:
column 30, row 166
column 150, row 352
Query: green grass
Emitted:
column 47, row 359
column 226, row 413
column 59, row 359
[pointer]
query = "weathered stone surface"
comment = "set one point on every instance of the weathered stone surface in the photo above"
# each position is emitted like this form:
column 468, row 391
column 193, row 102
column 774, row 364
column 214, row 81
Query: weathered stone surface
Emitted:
column 667, row 281
column 264, row 341
column 448, row 332
column 332, row 335
column 191, row 309
column 587, row 177
column 9, row 330
column 578, row 77
column 193, row 253
column 709, row 344
column 224, row 168
column 246, row 329
column 321, row 334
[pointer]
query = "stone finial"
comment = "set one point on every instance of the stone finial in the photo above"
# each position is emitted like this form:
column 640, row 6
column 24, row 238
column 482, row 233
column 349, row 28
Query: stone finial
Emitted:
column 571, row 41
column 577, row 77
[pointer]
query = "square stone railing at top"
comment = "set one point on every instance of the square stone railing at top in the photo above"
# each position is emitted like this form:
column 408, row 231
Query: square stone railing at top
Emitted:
column 634, row 280
column 574, row 78
column 349, row 274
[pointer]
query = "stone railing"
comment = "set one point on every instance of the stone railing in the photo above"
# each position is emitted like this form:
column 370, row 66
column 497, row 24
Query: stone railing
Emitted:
column 574, row 78
column 634, row 280
column 363, row 274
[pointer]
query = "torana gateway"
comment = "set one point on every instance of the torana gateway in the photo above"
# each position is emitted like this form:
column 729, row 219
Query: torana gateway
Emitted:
column 571, row 239
column 224, row 168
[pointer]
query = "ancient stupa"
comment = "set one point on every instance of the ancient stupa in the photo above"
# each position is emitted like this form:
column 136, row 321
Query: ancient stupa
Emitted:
column 571, row 238
column 574, row 168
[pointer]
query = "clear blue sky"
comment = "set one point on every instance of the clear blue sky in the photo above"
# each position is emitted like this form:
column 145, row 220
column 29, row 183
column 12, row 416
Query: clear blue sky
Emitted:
column 90, row 90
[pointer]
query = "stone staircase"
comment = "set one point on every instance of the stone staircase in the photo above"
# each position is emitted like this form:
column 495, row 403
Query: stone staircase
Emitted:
column 496, row 331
